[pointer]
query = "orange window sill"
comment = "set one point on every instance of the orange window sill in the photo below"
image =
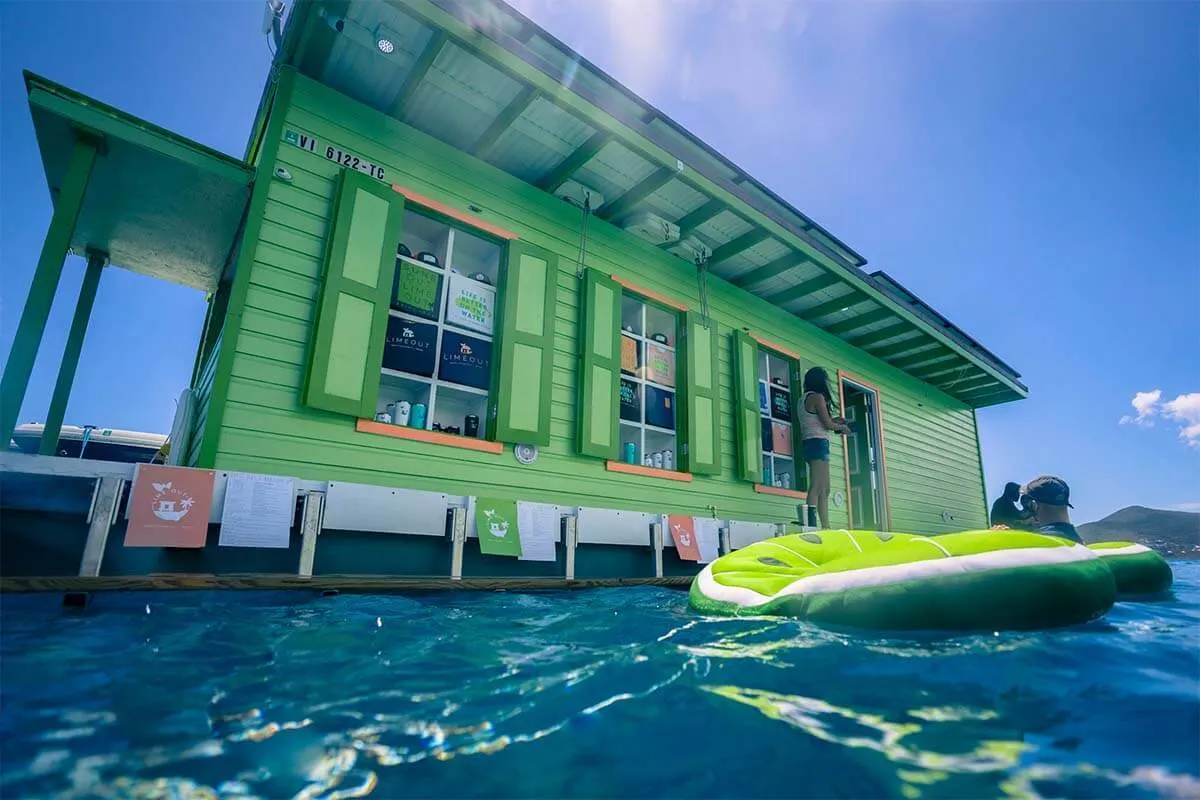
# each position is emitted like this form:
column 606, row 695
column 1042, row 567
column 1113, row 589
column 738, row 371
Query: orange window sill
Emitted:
column 429, row 437
column 648, row 472
column 762, row 488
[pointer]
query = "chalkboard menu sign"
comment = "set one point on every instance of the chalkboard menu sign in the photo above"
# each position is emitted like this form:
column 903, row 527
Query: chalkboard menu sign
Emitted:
column 410, row 347
column 465, row 360
column 416, row 290
column 781, row 404
column 631, row 401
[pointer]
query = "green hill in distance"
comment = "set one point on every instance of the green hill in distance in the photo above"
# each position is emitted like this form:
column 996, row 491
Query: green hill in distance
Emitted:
column 1174, row 534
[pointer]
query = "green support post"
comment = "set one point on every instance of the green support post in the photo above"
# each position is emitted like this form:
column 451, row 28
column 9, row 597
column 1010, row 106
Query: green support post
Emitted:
column 70, row 359
column 45, row 283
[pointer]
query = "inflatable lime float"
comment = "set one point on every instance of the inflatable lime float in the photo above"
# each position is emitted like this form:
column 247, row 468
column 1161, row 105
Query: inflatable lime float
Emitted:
column 975, row 580
column 1138, row 570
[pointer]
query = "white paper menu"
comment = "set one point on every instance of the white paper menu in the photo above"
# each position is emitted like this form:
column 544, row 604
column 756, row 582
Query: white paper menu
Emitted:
column 258, row 511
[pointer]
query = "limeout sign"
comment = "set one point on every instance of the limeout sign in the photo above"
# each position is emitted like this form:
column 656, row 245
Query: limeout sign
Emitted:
column 334, row 154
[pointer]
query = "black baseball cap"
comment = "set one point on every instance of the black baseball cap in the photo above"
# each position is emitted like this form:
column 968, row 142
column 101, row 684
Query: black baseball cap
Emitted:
column 1049, row 490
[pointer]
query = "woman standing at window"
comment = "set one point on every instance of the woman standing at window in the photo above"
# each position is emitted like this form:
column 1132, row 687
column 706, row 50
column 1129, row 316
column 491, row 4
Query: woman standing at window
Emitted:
column 815, row 425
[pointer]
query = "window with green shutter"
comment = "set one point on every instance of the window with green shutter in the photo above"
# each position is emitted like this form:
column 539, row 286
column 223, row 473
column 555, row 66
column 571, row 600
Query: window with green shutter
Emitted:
column 767, row 394
column 701, row 450
column 747, row 417
column 648, row 391
column 779, row 398
column 520, row 413
column 352, row 314
column 598, row 432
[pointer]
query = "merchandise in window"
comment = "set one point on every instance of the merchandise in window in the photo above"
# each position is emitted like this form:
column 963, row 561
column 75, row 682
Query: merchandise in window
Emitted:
column 436, row 369
column 648, row 385
column 775, row 408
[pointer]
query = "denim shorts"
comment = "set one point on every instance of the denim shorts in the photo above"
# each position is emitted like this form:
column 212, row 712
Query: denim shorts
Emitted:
column 815, row 449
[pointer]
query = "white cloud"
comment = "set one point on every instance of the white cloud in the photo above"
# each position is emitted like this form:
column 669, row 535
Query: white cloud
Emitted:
column 1184, row 410
column 1146, row 405
column 1192, row 506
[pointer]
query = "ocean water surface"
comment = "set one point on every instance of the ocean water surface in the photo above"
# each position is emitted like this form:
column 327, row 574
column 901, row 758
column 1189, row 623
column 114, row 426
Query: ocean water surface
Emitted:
column 597, row 693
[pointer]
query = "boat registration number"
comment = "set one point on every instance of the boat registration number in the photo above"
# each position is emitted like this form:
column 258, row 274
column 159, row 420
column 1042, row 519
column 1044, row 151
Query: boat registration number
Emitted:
column 334, row 154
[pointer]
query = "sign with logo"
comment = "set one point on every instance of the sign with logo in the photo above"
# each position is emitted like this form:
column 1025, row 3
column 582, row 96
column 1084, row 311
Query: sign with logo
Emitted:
column 496, row 527
column 781, row 439
column 465, row 360
column 471, row 304
column 660, row 408
column 410, row 347
column 416, row 290
column 683, row 533
column 169, row 507
column 660, row 364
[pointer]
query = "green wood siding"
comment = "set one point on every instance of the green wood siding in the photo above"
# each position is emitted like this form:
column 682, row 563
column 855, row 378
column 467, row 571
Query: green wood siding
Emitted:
column 201, row 395
column 746, row 421
column 700, row 401
column 598, row 406
column 932, row 458
column 348, row 337
column 523, row 361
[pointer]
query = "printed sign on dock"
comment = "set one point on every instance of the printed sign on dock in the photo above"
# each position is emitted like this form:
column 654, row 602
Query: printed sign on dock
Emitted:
column 496, row 527
column 169, row 506
column 683, row 533
column 539, row 525
column 258, row 510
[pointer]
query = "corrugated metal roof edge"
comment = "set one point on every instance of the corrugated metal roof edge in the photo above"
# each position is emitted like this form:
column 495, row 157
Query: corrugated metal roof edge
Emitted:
column 902, row 293
column 456, row 9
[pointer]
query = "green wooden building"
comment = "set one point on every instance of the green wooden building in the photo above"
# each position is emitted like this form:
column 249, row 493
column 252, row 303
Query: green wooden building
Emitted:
column 443, row 209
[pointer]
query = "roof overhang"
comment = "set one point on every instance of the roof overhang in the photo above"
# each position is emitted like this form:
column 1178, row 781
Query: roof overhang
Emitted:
column 156, row 203
column 481, row 77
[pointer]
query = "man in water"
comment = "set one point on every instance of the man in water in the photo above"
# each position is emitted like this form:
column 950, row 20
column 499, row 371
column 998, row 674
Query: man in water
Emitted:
column 1049, row 498
column 1005, row 511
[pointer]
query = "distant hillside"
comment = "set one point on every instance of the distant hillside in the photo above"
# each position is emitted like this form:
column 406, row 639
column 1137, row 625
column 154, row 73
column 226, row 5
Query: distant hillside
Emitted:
column 1172, row 533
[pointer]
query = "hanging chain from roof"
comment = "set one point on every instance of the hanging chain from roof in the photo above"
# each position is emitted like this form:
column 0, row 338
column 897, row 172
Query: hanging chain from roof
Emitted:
column 583, row 234
column 702, row 279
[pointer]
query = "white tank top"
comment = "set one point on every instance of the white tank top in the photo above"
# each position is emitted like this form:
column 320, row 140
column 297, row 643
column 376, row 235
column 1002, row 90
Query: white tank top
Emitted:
column 810, row 423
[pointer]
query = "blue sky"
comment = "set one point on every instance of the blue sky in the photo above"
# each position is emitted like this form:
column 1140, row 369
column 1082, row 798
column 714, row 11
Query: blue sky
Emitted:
column 1030, row 169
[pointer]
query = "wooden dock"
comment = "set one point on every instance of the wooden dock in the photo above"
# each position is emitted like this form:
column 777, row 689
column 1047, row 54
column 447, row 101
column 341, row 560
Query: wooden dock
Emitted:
column 373, row 584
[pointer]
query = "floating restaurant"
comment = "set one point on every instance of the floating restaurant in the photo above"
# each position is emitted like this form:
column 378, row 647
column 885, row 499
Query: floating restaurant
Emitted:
column 463, row 285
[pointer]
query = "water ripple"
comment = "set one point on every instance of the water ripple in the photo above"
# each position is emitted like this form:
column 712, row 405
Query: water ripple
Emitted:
column 606, row 693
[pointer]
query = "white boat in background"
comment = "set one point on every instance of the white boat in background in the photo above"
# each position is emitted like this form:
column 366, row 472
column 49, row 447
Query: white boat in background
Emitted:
column 92, row 442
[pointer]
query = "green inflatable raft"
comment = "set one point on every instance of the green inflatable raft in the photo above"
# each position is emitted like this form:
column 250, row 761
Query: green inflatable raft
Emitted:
column 970, row 581
column 1138, row 570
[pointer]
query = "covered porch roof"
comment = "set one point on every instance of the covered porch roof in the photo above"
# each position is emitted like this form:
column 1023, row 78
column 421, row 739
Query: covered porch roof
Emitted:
column 483, row 78
column 155, row 202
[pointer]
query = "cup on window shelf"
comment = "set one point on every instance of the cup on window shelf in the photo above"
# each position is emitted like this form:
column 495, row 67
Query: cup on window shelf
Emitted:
column 658, row 460
column 630, row 453
column 417, row 420
column 383, row 416
column 401, row 412
column 472, row 425
column 668, row 459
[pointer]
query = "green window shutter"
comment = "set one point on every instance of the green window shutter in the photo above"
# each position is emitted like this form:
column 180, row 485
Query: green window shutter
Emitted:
column 598, row 408
column 702, row 427
column 520, row 410
column 797, row 389
column 748, row 425
column 360, row 259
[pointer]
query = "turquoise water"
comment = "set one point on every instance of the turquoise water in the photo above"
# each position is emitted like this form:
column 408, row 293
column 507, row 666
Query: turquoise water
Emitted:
column 603, row 693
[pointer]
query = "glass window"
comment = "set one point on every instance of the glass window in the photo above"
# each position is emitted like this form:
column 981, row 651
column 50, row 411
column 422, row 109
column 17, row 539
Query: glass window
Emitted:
column 649, row 334
column 775, row 410
column 437, row 361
